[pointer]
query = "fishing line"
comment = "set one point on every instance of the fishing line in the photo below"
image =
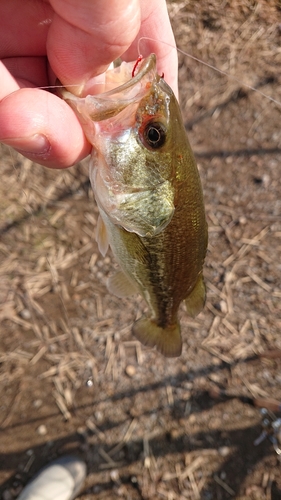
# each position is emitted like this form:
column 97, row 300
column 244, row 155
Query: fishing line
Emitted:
column 48, row 87
column 228, row 75
column 204, row 63
column 190, row 56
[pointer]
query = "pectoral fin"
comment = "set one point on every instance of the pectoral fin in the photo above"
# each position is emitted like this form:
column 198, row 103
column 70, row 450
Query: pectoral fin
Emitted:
column 195, row 302
column 101, row 236
column 120, row 285
column 167, row 340
column 145, row 212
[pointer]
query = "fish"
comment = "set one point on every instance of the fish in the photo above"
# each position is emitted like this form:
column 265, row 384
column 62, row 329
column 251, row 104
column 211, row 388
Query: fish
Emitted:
column 149, row 194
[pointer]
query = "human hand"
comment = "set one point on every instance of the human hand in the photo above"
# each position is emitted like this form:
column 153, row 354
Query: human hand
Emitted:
column 74, row 41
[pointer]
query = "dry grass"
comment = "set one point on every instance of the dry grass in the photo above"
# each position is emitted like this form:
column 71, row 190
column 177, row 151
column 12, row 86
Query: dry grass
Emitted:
column 149, row 427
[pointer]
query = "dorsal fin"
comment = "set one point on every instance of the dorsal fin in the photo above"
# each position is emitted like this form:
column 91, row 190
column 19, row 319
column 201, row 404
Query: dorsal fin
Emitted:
column 195, row 302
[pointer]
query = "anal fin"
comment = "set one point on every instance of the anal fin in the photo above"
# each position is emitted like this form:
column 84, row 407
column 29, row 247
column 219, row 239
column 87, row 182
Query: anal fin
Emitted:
column 120, row 285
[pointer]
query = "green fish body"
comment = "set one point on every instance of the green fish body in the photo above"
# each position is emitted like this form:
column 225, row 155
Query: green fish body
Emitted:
column 149, row 194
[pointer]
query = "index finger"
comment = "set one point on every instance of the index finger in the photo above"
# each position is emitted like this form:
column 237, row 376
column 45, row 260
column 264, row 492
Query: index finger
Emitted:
column 86, row 36
column 156, row 36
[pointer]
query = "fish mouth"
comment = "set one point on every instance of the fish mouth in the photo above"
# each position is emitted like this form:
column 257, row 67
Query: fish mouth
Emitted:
column 116, row 97
column 129, row 76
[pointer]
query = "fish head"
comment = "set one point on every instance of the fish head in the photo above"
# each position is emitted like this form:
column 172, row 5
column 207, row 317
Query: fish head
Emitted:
column 136, row 132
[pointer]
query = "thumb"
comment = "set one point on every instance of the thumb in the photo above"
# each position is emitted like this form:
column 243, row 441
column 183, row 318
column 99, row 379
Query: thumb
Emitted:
column 86, row 36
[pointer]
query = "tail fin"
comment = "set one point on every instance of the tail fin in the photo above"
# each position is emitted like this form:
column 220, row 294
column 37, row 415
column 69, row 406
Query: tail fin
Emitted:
column 167, row 340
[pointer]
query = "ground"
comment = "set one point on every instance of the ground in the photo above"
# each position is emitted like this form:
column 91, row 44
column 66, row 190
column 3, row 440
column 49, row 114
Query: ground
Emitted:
column 74, row 379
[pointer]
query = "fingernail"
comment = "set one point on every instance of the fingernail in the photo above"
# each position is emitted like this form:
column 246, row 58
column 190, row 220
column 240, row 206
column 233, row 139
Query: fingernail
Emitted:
column 37, row 144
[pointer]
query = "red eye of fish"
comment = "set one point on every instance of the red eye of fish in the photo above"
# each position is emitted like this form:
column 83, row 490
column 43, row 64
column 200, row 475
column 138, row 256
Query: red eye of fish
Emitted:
column 154, row 135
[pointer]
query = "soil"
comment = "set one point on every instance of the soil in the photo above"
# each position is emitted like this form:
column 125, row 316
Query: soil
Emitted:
column 74, row 379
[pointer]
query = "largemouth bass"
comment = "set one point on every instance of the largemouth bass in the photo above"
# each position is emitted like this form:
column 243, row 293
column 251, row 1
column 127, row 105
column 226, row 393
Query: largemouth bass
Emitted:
column 149, row 195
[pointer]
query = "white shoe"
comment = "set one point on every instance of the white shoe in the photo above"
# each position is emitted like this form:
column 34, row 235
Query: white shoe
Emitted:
column 60, row 480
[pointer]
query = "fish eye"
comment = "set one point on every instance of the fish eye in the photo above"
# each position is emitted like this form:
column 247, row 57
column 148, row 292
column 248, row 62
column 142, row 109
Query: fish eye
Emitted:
column 154, row 135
